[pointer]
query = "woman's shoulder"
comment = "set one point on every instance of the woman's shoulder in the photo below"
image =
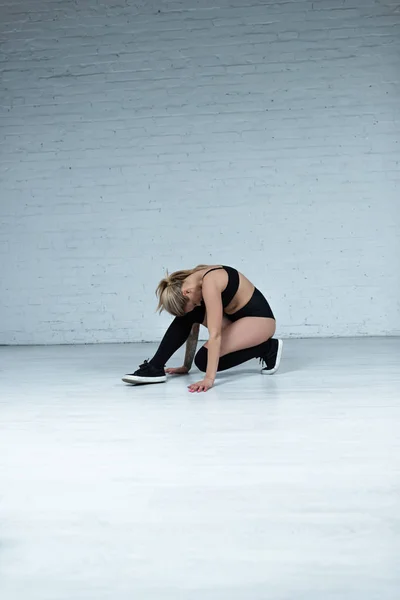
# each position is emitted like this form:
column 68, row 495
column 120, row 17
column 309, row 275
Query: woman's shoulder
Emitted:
column 216, row 273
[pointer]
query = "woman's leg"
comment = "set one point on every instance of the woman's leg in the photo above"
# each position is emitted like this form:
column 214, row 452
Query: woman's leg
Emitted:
column 176, row 334
column 247, row 338
column 245, row 333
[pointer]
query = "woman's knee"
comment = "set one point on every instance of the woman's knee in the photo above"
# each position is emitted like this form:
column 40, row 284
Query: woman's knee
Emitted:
column 200, row 360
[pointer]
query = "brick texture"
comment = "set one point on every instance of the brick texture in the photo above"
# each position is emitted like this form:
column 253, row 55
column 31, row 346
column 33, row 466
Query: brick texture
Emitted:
column 138, row 136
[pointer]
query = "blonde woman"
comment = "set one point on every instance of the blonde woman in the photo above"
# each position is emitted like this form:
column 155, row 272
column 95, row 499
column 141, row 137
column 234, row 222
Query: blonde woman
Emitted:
column 239, row 320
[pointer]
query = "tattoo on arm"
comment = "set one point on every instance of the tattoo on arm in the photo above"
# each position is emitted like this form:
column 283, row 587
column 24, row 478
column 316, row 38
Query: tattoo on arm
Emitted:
column 191, row 346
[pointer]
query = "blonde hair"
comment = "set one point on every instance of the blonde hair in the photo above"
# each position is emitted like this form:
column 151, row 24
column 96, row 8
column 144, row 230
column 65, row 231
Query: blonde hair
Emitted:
column 169, row 291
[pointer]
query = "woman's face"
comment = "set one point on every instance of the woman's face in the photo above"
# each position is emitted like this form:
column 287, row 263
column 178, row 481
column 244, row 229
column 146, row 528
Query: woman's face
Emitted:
column 193, row 295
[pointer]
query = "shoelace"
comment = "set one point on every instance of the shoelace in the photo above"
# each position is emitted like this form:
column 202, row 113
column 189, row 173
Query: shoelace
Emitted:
column 144, row 365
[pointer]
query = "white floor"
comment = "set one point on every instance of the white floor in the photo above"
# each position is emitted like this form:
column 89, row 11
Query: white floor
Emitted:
column 264, row 488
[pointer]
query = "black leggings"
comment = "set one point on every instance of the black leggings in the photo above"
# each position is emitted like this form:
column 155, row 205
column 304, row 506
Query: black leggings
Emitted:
column 176, row 335
column 233, row 358
column 180, row 328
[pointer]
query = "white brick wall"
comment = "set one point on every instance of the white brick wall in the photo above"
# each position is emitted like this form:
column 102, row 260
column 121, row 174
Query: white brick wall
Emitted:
column 139, row 135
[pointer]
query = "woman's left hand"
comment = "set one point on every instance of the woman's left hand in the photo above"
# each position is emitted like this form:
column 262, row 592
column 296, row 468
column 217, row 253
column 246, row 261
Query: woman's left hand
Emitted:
column 201, row 386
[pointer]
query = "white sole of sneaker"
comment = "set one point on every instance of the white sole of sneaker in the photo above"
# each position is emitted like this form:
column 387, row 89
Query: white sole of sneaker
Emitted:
column 136, row 379
column 278, row 360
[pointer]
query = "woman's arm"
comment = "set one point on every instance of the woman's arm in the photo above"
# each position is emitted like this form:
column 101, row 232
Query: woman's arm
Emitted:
column 191, row 346
column 213, row 302
column 212, row 298
column 214, row 347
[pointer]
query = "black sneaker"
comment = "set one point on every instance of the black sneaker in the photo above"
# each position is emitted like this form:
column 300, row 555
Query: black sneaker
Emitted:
column 272, row 358
column 146, row 373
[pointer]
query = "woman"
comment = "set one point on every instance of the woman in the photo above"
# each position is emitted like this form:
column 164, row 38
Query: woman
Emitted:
column 239, row 319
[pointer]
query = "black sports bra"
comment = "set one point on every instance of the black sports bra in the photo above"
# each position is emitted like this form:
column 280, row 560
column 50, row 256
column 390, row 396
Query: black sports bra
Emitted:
column 232, row 287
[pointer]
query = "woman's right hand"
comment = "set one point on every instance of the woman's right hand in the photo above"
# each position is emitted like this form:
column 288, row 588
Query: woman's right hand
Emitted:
column 177, row 371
